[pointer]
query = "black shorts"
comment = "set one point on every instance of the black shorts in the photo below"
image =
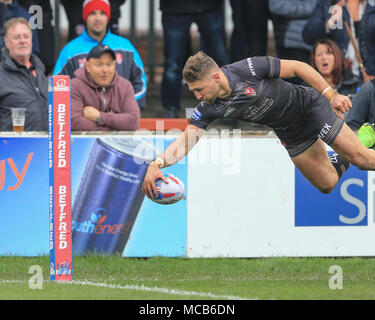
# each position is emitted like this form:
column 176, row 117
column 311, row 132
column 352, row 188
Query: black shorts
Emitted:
column 320, row 123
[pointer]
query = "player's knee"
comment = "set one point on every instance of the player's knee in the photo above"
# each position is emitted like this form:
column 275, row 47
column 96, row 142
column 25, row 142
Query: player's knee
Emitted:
column 327, row 185
column 326, row 189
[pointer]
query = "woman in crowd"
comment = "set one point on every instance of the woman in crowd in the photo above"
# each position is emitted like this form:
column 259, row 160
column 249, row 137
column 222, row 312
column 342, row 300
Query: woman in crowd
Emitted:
column 329, row 61
column 328, row 21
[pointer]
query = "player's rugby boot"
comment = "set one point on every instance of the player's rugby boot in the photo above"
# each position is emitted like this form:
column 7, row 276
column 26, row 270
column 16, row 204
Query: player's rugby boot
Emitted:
column 366, row 134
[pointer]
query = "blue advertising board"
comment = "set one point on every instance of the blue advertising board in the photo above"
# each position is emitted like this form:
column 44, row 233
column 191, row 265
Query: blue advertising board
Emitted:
column 346, row 205
column 24, row 199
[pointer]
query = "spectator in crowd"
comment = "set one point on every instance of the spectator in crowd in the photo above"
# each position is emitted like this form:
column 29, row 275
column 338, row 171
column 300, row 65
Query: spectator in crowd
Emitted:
column 22, row 80
column 96, row 14
column 115, row 15
column 239, row 48
column 101, row 99
column 14, row 10
column 73, row 9
column 2, row 21
column 289, row 18
column 46, row 33
column 255, row 15
column 330, row 62
column 177, row 18
column 363, row 109
column 328, row 20
column 2, row 14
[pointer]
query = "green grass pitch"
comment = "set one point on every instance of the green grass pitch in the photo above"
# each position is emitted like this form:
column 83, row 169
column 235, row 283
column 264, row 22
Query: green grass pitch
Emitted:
column 160, row 278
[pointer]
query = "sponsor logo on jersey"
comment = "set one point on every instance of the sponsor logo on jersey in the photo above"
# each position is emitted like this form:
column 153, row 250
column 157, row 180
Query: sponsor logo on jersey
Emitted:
column 251, row 67
column 196, row 115
column 250, row 92
column 324, row 131
column 228, row 111
column 255, row 113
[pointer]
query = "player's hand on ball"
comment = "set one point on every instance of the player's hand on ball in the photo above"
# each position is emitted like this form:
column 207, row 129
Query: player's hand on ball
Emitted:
column 340, row 105
column 148, row 187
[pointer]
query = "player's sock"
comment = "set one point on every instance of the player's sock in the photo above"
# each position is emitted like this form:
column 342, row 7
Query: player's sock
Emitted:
column 366, row 134
column 340, row 164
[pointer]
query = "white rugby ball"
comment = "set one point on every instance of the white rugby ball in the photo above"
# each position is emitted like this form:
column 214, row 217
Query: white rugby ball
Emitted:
column 171, row 192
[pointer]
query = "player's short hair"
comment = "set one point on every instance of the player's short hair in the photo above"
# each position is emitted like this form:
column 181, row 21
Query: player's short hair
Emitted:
column 13, row 22
column 198, row 66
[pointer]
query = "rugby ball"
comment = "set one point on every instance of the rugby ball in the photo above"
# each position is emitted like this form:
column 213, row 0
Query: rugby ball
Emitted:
column 171, row 192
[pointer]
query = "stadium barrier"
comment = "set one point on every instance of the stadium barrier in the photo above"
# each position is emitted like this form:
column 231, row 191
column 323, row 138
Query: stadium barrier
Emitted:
column 159, row 124
column 244, row 198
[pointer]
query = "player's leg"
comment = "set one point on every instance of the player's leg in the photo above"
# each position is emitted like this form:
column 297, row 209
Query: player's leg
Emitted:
column 355, row 149
column 322, row 171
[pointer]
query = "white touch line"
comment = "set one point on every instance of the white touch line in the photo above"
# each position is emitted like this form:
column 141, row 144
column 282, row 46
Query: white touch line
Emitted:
column 159, row 290
column 12, row 281
column 141, row 288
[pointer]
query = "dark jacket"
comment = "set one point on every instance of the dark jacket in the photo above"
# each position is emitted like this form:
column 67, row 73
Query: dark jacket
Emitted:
column 116, row 103
column 290, row 17
column 349, row 85
column 2, row 21
column 315, row 30
column 18, row 89
column 189, row 6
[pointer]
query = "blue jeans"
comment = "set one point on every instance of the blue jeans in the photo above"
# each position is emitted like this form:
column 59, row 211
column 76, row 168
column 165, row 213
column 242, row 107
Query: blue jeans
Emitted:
column 176, row 31
column 363, row 109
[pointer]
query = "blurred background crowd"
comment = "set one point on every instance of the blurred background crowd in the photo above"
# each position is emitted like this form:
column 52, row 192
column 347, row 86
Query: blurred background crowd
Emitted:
column 121, row 73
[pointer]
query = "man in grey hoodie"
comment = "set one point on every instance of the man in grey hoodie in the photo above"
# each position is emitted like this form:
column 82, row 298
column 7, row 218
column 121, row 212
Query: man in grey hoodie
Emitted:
column 101, row 100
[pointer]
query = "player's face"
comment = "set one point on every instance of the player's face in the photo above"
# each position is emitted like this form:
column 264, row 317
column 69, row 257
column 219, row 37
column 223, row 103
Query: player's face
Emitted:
column 97, row 22
column 206, row 89
column 102, row 70
column 19, row 41
column 324, row 60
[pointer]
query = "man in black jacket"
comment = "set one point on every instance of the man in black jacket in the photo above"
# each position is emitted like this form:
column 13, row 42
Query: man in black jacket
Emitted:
column 177, row 18
column 22, row 82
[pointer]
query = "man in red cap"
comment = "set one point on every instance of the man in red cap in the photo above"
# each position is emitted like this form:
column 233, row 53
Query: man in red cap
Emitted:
column 92, row 5
column 73, row 10
column 96, row 16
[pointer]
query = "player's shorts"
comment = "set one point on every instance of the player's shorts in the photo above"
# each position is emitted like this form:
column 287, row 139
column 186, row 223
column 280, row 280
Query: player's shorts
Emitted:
column 320, row 123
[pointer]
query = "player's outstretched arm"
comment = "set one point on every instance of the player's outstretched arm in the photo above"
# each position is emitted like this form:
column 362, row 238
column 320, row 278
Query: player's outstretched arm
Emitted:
column 292, row 68
column 176, row 151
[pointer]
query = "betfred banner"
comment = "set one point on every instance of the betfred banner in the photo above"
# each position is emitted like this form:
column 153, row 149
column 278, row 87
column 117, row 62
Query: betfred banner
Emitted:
column 59, row 178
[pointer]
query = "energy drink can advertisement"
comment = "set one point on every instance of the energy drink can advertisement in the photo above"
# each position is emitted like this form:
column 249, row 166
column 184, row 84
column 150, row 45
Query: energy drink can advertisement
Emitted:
column 110, row 195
